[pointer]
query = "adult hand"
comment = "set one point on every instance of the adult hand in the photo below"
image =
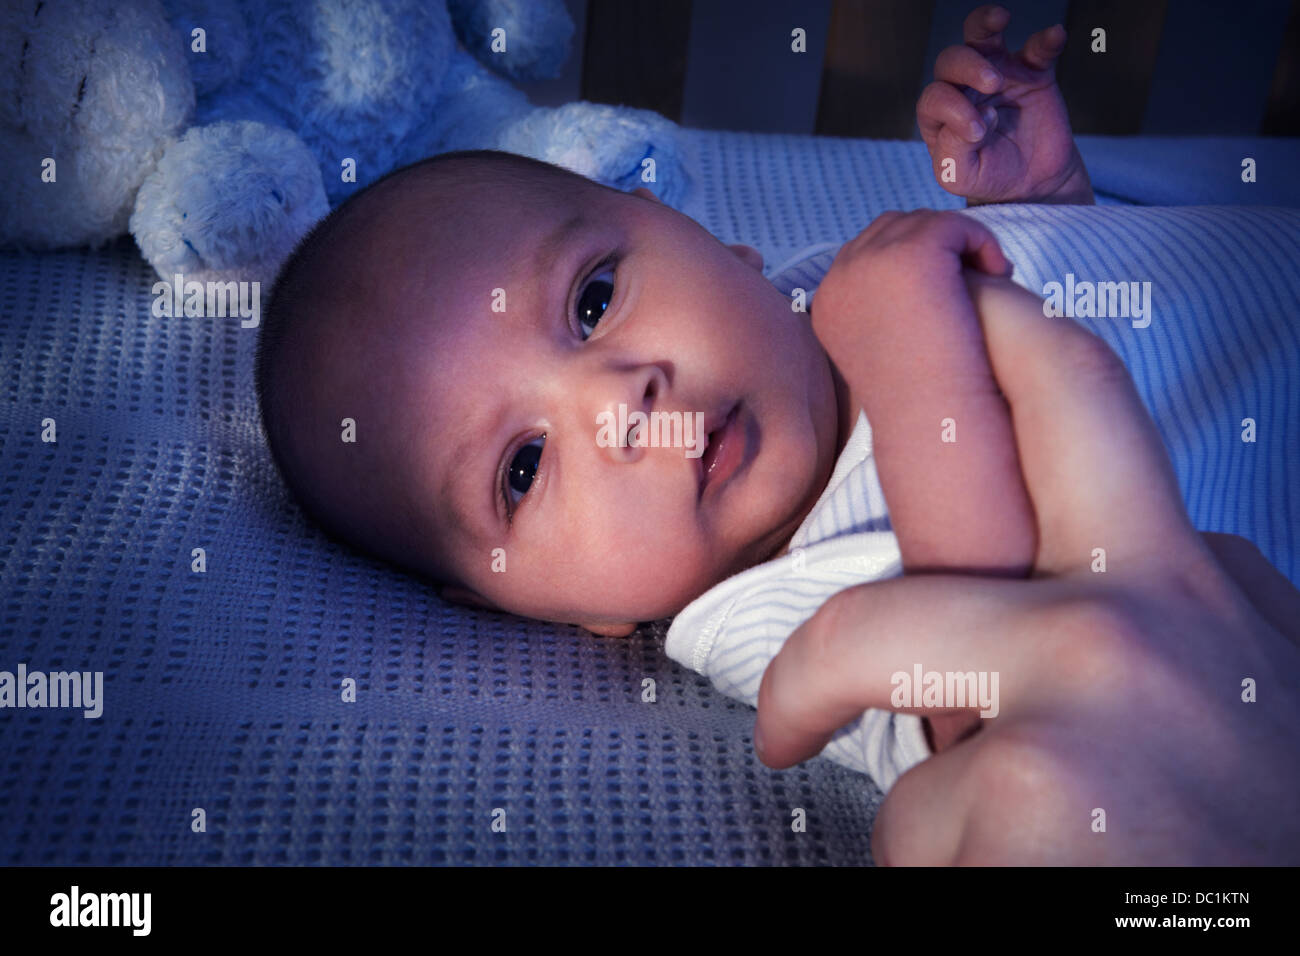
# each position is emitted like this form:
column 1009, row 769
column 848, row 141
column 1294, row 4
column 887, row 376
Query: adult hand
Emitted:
column 1164, row 691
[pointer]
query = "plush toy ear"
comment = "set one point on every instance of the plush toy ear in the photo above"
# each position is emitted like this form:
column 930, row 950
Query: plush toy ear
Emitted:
column 228, row 202
column 521, row 41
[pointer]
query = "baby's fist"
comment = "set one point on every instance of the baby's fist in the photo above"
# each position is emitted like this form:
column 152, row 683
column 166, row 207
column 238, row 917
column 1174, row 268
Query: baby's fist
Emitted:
column 905, row 268
column 995, row 123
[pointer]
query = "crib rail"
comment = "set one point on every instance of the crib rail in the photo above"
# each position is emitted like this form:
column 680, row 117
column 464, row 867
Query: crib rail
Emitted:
column 1170, row 66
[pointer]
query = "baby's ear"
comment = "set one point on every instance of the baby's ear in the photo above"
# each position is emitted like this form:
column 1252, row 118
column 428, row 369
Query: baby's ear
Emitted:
column 645, row 193
column 748, row 255
column 610, row 630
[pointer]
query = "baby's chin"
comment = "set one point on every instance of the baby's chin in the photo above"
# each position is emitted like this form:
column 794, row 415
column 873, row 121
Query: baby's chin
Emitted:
column 669, row 599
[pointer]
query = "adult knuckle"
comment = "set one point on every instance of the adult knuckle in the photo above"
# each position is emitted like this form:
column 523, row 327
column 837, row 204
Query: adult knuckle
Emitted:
column 1107, row 623
column 1018, row 764
column 1095, row 639
column 1100, row 615
column 1025, row 782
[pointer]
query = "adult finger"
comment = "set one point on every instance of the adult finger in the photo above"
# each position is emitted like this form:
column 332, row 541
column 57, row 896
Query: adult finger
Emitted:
column 964, row 66
column 983, row 29
column 863, row 647
column 1042, row 49
column 1096, row 469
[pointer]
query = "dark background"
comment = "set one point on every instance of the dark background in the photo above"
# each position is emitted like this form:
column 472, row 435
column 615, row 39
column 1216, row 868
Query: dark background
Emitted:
column 1172, row 67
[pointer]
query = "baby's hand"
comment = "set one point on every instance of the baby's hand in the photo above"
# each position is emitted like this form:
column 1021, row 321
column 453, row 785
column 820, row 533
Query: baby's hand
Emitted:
column 904, row 269
column 896, row 315
column 1000, row 119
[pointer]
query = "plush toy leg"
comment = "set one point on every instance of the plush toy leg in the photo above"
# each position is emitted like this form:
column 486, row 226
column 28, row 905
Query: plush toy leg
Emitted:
column 228, row 202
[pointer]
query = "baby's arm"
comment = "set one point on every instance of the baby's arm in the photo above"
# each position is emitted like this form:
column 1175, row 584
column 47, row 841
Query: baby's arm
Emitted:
column 895, row 313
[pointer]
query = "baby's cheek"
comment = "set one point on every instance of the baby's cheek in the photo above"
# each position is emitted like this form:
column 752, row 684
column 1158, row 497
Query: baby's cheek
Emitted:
column 651, row 558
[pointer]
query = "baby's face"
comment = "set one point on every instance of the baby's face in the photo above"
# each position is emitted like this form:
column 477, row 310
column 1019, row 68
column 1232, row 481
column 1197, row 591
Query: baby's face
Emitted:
column 601, row 299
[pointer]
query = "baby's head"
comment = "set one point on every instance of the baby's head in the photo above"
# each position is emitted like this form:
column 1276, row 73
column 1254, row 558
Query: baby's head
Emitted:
column 474, row 315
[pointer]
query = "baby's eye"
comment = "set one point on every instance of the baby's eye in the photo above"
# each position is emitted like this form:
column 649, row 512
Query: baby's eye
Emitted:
column 593, row 300
column 522, row 468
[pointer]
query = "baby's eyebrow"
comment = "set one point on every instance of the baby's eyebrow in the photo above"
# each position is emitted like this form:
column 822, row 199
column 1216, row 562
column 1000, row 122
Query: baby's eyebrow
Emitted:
column 548, row 252
column 463, row 469
column 550, row 248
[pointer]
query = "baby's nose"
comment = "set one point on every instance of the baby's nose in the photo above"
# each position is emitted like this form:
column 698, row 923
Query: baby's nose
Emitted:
column 624, row 420
column 622, row 433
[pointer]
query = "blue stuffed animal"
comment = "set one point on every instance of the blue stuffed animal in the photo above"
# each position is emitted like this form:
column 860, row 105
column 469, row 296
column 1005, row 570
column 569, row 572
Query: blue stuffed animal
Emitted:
column 219, row 132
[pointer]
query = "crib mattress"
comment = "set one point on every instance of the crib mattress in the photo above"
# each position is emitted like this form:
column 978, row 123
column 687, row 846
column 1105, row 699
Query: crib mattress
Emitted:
column 222, row 689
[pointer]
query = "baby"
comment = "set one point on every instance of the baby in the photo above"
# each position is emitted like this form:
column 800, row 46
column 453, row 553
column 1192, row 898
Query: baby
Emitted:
column 440, row 353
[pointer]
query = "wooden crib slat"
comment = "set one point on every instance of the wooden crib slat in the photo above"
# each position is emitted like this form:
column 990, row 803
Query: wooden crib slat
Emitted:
column 1106, row 93
column 871, row 76
column 635, row 54
column 1282, row 114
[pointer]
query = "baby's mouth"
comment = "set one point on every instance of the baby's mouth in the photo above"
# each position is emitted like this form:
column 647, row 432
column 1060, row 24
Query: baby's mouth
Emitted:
column 724, row 452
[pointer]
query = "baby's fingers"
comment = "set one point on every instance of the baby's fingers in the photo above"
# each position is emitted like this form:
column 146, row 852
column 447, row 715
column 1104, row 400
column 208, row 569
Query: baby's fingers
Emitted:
column 983, row 29
column 1042, row 49
column 942, row 107
column 975, row 244
column 963, row 66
